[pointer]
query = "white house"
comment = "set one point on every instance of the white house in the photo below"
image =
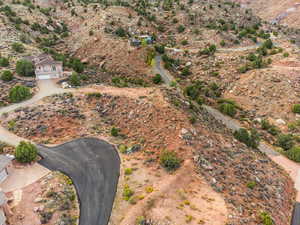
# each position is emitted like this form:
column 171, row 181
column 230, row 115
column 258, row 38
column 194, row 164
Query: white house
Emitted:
column 46, row 67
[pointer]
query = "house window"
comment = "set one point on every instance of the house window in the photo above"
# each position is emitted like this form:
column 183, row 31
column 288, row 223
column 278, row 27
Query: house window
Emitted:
column 53, row 68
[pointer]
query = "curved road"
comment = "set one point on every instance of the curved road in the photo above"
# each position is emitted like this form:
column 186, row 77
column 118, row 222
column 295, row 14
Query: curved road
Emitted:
column 92, row 164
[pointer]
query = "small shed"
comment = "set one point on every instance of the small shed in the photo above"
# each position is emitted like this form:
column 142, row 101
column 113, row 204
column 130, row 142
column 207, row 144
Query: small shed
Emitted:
column 5, row 161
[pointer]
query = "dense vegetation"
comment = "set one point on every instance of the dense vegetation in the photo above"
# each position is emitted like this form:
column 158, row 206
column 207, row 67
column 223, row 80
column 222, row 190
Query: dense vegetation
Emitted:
column 26, row 152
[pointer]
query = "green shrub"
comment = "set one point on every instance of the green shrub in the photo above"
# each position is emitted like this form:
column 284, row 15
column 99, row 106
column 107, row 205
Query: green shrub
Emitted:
column 114, row 132
column 18, row 47
column 296, row 108
column 157, row 79
column 268, row 44
column 6, row 75
column 26, row 152
column 272, row 129
column 77, row 65
column 128, row 171
column 19, row 93
column 25, row 68
column 243, row 69
column 186, row 71
column 285, row 141
column 210, row 50
column 127, row 192
column 251, row 139
column 169, row 160
column 160, row 49
column 4, row 62
column 293, row 154
column 251, row 184
column 120, row 32
column 228, row 109
column 266, row 219
column 180, row 28
column 286, row 54
column 222, row 43
column 184, row 42
column 94, row 95
column 74, row 80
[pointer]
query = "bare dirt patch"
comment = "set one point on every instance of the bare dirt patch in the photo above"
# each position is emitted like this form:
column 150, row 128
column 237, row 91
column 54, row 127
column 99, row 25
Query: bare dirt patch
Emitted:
column 190, row 200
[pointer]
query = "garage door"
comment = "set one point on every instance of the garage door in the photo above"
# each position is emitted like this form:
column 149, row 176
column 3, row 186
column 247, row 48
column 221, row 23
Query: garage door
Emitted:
column 44, row 77
column 3, row 175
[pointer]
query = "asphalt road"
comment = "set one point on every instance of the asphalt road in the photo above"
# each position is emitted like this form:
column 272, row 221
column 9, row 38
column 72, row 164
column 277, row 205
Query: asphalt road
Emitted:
column 296, row 214
column 93, row 165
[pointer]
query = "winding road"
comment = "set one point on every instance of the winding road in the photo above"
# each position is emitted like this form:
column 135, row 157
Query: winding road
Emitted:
column 292, row 168
column 92, row 164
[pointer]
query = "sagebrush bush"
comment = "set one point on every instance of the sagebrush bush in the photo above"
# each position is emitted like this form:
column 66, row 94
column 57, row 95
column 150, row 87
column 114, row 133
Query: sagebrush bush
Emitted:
column 169, row 160
column 228, row 109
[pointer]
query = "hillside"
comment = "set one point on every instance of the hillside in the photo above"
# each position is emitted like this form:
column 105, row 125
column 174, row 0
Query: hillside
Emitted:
column 284, row 12
column 140, row 75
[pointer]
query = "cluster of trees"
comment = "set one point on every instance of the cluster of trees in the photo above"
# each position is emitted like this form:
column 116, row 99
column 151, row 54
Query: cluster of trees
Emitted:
column 285, row 141
column 198, row 90
column 76, row 79
column 250, row 138
column 255, row 60
column 210, row 50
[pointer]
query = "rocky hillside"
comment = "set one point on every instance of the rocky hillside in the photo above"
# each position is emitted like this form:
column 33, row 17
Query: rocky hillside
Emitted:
column 284, row 12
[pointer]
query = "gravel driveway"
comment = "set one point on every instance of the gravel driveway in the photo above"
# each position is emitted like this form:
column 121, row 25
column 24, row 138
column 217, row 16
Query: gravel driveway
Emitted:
column 93, row 165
